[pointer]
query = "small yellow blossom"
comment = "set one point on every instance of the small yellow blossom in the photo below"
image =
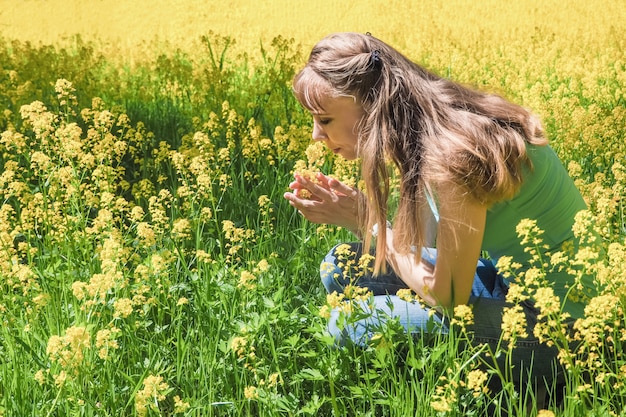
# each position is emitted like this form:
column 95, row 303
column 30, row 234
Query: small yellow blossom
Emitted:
column 463, row 315
column 40, row 377
column 334, row 299
column 406, row 294
column 324, row 312
column 476, row 382
column 262, row 266
column 60, row 378
column 247, row 280
column 181, row 229
column 251, row 393
column 154, row 390
column 69, row 349
column 123, row 307
column 238, row 344
column 203, row 256
column 180, row 406
column 514, row 324
column 105, row 341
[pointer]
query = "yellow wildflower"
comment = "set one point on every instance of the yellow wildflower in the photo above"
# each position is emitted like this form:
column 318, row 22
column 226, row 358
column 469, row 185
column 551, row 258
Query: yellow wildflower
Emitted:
column 181, row 229
column 153, row 391
column 247, row 280
column 463, row 315
column 180, row 406
column 547, row 302
column 262, row 266
column 105, row 341
column 60, row 378
column 238, row 344
column 203, row 256
column 123, row 307
column 406, row 294
column 324, row 312
column 334, row 299
column 476, row 382
column 40, row 377
column 69, row 349
column 513, row 324
column 251, row 393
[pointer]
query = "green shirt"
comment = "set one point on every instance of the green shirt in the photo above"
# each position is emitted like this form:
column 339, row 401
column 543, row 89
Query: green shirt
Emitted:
column 549, row 196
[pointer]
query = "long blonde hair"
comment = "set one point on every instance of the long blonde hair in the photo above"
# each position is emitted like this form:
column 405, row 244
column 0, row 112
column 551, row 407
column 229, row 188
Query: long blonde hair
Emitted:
column 433, row 129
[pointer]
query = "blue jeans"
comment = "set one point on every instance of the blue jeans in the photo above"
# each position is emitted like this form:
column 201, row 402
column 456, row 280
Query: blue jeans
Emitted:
column 487, row 299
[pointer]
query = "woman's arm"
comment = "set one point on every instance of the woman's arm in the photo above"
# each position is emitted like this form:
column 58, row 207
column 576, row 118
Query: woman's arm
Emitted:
column 459, row 241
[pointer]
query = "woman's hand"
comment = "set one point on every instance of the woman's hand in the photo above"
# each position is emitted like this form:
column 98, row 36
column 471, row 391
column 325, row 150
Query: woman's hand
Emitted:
column 328, row 201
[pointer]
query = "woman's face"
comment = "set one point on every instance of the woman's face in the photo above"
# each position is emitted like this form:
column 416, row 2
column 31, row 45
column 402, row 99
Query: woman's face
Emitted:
column 337, row 125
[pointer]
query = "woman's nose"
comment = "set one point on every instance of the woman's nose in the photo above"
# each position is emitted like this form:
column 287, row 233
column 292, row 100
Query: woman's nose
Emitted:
column 318, row 132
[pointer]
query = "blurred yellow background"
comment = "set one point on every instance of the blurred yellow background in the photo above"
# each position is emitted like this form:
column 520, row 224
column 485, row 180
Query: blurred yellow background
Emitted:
column 409, row 25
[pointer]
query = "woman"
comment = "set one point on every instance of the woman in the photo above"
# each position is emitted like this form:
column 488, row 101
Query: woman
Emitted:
column 472, row 166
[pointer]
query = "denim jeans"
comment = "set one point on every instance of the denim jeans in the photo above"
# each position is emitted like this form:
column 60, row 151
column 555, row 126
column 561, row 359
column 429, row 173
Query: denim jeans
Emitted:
column 487, row 299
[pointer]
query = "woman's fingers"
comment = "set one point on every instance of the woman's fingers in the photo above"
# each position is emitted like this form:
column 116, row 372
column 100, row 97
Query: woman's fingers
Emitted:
column 318, row 190
column 340, row 188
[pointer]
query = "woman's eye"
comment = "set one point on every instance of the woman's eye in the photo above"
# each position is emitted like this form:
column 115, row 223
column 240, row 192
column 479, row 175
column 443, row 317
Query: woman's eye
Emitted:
column 324, row 121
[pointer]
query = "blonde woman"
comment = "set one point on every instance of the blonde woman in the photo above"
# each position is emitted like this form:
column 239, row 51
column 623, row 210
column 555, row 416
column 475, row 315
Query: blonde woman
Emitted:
column 472, row 165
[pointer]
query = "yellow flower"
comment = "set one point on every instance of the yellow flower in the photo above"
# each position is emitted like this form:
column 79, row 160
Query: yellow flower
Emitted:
column 251, row 393
column 366, row 265
column 547, row 302
column 123, row 307
column 476, row 381
column 463, row 315
column 273, row 380
column 262, row 266
column 146, row 233
column 105, row 341
column 238, row 344
column 154, row 390
column 545, row 413
column 316, row 154
column 324, row 312
column 203, row 256
column 334, row 299
column 406, row 294
column 60, row 378
column 264, row 201
column 516, row 293
column 206, row 214
column 513, row 324
column 247, row 280
column 69, row 349
column 79, row 289
column 181, row 229
column 40, row 377
column 180, row 406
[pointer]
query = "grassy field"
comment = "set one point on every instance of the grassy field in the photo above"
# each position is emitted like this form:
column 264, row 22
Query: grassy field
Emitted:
column 149, row 265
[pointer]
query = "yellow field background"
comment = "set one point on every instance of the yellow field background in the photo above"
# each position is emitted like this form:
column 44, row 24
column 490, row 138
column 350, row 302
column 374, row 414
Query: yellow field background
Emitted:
column 412, row 26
